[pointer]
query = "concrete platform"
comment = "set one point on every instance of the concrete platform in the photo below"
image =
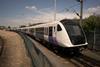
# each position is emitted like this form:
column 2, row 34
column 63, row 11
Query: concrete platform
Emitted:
column 14, row 53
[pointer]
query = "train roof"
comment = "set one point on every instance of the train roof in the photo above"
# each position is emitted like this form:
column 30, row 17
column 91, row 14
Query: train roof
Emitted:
column 42, row 24
column 52, row 23
column 69, row 21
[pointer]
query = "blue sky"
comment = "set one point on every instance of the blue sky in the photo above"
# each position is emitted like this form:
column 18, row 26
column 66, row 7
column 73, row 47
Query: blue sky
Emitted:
column 17, row 12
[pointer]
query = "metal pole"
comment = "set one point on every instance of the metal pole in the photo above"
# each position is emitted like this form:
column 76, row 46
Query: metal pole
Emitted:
column 54, row 10
column 81, row 11
column 94, row 38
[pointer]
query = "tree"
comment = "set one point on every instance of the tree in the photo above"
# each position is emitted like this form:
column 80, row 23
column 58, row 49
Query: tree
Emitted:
column 97, row 21
column 2, row 27
column 90, row 23
column 22, row 26
column 9, row 27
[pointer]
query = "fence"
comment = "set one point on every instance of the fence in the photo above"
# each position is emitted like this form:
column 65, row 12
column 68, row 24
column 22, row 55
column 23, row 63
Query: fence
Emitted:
column 93, row 41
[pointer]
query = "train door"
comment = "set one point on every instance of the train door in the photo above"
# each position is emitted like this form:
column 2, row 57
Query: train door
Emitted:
column 34, row 32
column 54, row 32
column 54, row 35
column 51, row 34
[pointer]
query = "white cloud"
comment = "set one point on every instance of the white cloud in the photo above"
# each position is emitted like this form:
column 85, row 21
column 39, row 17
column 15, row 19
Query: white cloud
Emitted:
column 15, row 21
column 95, row 10
column 50, row 16
column 91, row 11
column 31, row 7
column 47, row 14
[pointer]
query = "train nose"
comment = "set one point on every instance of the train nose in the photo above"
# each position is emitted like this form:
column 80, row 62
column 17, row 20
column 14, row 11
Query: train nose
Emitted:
column 78, row 40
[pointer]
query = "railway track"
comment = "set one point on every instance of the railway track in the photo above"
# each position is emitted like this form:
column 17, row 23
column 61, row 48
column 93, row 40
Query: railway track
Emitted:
column 80, row 60
column 32, row 55
column 85, row 61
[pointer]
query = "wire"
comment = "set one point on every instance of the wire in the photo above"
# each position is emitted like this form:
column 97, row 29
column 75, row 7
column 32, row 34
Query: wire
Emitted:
column 74, row 5
column 69, row 8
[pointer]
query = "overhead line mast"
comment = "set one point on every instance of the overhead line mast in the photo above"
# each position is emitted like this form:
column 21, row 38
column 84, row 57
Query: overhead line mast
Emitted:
column 81, row 10
column 54, row 10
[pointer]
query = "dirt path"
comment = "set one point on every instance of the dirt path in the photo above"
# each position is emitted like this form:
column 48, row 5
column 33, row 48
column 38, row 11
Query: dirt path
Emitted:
column 14, row 52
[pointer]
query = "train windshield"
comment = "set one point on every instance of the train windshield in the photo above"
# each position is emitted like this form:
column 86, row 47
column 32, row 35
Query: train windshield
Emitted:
column 75, row 32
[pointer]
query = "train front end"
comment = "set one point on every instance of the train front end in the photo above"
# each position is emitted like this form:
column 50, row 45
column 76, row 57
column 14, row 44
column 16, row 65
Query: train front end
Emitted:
column 75, row 33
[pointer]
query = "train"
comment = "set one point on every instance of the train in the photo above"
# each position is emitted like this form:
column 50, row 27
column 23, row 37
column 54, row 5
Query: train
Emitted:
column 67, row 34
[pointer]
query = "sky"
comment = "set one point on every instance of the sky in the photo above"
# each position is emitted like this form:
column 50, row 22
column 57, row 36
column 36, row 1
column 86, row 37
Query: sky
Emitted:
column 24, row 12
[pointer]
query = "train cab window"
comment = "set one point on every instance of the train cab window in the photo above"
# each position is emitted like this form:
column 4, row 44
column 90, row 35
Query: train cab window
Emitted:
column 59, row 28
column 74, row 30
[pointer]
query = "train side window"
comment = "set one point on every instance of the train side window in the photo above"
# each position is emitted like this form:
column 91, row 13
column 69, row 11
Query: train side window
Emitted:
column 31, row 30
column 46, row 31
column 58, row 28
column 40, row 30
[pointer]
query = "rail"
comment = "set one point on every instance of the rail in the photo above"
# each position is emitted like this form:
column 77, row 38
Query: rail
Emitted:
column 85, row 61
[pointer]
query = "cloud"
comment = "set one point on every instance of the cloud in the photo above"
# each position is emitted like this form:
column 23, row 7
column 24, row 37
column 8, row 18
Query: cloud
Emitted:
column 95, row 10
column 31, row 7
column 92, row 10
column 16, row 22
column 46, row 15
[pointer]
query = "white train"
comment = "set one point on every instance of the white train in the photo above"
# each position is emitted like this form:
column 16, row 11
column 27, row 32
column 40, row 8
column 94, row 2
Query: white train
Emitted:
column 64, row 33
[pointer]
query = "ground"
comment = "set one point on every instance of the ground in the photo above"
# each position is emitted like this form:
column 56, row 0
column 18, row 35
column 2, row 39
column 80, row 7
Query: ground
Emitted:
column 14, row 53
